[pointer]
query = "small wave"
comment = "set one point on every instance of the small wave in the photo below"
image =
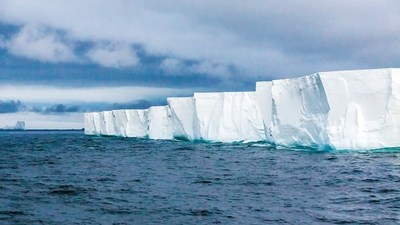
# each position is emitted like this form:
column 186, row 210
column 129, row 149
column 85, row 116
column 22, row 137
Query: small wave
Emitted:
column 184, row 148
column 255, row 183
column 388, row 190
column 203, row 182
column 12, row 212
column 106, row 179
column 205, row 212
column 116, row 211
column 66, row 190
column 369, row 151
column 371, row 180
column 262, row 145
column 207, row 180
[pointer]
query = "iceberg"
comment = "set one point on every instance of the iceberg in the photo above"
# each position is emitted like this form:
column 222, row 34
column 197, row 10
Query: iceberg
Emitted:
column 137, row 123
column 364, row 108
column 92, row 123
column 357, row 109
column 209, row 111
column 20, row 125
column 120, row 121
column 299, row 112
column 160, row 123
column 229, row 117
column 264, row 103
column 184, row 118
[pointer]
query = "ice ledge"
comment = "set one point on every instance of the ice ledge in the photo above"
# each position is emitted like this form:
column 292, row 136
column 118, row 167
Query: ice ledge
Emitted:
column 354, row 110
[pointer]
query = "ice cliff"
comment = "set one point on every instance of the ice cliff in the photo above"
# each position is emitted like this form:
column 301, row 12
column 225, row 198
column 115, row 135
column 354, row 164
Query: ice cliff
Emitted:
column 357, row 109
column 20, row 125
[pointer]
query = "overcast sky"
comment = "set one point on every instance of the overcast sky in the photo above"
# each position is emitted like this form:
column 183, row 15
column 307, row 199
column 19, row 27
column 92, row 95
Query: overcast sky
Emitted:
column 61, row 58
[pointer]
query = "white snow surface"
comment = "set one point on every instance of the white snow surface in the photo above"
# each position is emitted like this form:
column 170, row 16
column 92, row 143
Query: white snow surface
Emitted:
column 358, row 109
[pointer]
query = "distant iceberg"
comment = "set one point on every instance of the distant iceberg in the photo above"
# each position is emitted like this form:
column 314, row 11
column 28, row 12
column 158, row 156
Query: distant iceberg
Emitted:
column 20, row 125
column 357, row 109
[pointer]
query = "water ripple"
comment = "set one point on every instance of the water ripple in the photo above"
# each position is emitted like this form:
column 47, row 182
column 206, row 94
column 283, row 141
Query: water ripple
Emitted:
column 69, row 178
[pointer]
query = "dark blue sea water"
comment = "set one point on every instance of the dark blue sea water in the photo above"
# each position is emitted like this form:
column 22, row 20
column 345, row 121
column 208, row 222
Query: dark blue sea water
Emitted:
column 69, row 178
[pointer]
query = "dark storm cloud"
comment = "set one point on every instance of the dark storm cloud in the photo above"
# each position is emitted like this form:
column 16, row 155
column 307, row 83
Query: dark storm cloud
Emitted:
column 70, row 75
column 14, row 106
column 61, row 108
column 18, row 106
column 141, row 104
column 11, row 106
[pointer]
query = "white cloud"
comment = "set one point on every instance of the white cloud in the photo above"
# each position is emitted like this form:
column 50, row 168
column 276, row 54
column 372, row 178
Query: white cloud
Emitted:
column 48, row 94
column 212, row 69
column 35, row 42
column 256, row 37
column 113, row 55
column 172, row 66
column 177, row 67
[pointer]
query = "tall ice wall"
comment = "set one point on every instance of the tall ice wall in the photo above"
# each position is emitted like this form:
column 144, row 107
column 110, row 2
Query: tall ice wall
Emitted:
column 364, row 108
column 357, row 109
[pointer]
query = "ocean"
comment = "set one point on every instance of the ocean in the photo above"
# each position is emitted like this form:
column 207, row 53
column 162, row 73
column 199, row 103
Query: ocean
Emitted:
column 65, row 177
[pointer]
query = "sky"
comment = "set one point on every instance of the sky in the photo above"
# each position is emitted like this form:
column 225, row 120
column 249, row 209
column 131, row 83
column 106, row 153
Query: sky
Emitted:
column 59, row 59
